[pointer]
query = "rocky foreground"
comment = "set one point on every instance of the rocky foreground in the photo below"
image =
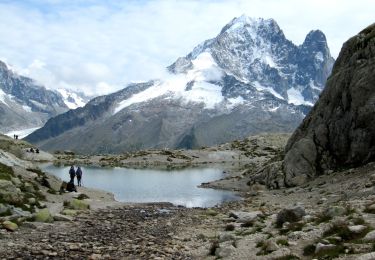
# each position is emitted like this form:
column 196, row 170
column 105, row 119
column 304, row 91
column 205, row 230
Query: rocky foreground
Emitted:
column 332, row 216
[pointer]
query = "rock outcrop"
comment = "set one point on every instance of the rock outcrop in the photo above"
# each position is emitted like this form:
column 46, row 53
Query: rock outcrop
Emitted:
column 339, row 132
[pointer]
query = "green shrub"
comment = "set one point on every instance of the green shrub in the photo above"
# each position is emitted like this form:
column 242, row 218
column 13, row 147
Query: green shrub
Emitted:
column 282, row 242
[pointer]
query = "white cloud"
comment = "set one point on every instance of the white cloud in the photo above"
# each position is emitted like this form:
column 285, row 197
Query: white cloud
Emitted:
column 92, row 44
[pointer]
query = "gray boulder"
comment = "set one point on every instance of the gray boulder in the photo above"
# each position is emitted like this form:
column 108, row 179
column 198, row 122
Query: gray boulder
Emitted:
column 290, row 215
column 370, row 236
column 245, row 217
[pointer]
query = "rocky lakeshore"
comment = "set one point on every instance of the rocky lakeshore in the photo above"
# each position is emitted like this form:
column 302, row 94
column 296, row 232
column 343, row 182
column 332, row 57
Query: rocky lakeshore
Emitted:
column 328, row 217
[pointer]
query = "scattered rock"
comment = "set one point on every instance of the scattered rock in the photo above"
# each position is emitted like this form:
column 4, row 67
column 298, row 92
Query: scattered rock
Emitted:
column 245, row 217
column 321, row 248
column 225, row 250
column 270, row 246
column 290, row 215
column 357, row 229
column 78, row 205
column 226, row 237
column 60, row 217
column 370, row 236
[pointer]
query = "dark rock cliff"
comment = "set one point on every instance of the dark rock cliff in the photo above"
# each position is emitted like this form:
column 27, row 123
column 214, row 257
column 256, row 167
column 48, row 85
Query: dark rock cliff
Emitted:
column 339, row 132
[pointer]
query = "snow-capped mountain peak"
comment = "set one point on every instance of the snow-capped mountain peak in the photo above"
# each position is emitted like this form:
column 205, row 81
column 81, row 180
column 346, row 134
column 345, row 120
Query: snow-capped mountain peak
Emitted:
column 72, row 99
column 246, row 80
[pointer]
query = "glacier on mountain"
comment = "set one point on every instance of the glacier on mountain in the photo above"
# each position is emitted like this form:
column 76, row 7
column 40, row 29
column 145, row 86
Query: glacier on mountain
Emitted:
column 247, row 80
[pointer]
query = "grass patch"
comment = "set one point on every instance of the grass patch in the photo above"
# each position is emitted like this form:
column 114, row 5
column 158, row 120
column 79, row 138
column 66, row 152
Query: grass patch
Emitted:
column 6, row 172
column 331, row 253
column 282, row 242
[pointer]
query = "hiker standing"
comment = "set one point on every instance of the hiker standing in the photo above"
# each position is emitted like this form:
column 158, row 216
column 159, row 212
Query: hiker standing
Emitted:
column 72, row 174
column 79, row 175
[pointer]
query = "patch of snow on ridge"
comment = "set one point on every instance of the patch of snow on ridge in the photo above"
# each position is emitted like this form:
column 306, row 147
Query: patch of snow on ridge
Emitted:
column 233, row 102
column 259, row 87
column 204, row 92
column 295, row 97
column 71, row 100
column 313, row 86
column 27, row 108
column 319, row 56
column 204, row 71
column 2, row 97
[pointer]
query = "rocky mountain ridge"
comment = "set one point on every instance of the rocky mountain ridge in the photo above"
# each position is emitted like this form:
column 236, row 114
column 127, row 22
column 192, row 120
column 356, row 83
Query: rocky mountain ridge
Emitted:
column 25, row 104
column 249, row 79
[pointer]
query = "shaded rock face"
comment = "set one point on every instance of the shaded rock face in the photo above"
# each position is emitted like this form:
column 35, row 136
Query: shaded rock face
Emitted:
column 339, row 132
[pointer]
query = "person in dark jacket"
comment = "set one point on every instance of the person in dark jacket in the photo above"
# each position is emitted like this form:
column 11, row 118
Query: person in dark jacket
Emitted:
column 79, row 176
column 72, row 174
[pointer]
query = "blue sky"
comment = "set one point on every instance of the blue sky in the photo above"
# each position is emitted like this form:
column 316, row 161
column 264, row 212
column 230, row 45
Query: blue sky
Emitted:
column 98, row 46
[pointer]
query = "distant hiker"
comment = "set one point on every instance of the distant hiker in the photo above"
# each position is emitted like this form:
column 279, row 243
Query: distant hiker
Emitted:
column 37, row 150
column 16, row 137
column 72, row 174
column 31, row 150
column 79, row 176
column 71, row 187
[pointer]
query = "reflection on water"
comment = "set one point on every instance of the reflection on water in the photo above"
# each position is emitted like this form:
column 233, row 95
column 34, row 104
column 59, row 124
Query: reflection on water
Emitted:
column 144, row 185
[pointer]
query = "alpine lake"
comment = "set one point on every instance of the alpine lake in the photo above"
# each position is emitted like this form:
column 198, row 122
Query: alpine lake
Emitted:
column 179, row 187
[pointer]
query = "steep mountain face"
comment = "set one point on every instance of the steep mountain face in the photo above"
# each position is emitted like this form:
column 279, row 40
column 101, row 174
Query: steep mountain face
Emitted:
column 248, row 79
column 23, row 103
column 339, row 132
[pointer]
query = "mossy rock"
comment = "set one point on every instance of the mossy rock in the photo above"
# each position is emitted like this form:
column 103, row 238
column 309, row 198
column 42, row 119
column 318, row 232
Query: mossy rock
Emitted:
column 10, row 226
column 69, row 212
column 43, row 216
column 78, row 205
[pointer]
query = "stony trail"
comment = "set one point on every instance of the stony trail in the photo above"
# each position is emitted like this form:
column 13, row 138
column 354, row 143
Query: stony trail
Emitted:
column 130, row 232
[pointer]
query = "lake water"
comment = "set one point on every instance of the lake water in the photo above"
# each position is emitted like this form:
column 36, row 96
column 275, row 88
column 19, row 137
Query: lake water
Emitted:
column 145, row 185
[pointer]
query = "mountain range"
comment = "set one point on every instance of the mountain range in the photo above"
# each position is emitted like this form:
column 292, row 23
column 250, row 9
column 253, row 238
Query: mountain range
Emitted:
column 248, row 79
column 25, row 104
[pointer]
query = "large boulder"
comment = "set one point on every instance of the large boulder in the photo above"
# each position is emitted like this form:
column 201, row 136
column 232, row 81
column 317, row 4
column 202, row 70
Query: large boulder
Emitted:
column 339, row 131
column 290, row 215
